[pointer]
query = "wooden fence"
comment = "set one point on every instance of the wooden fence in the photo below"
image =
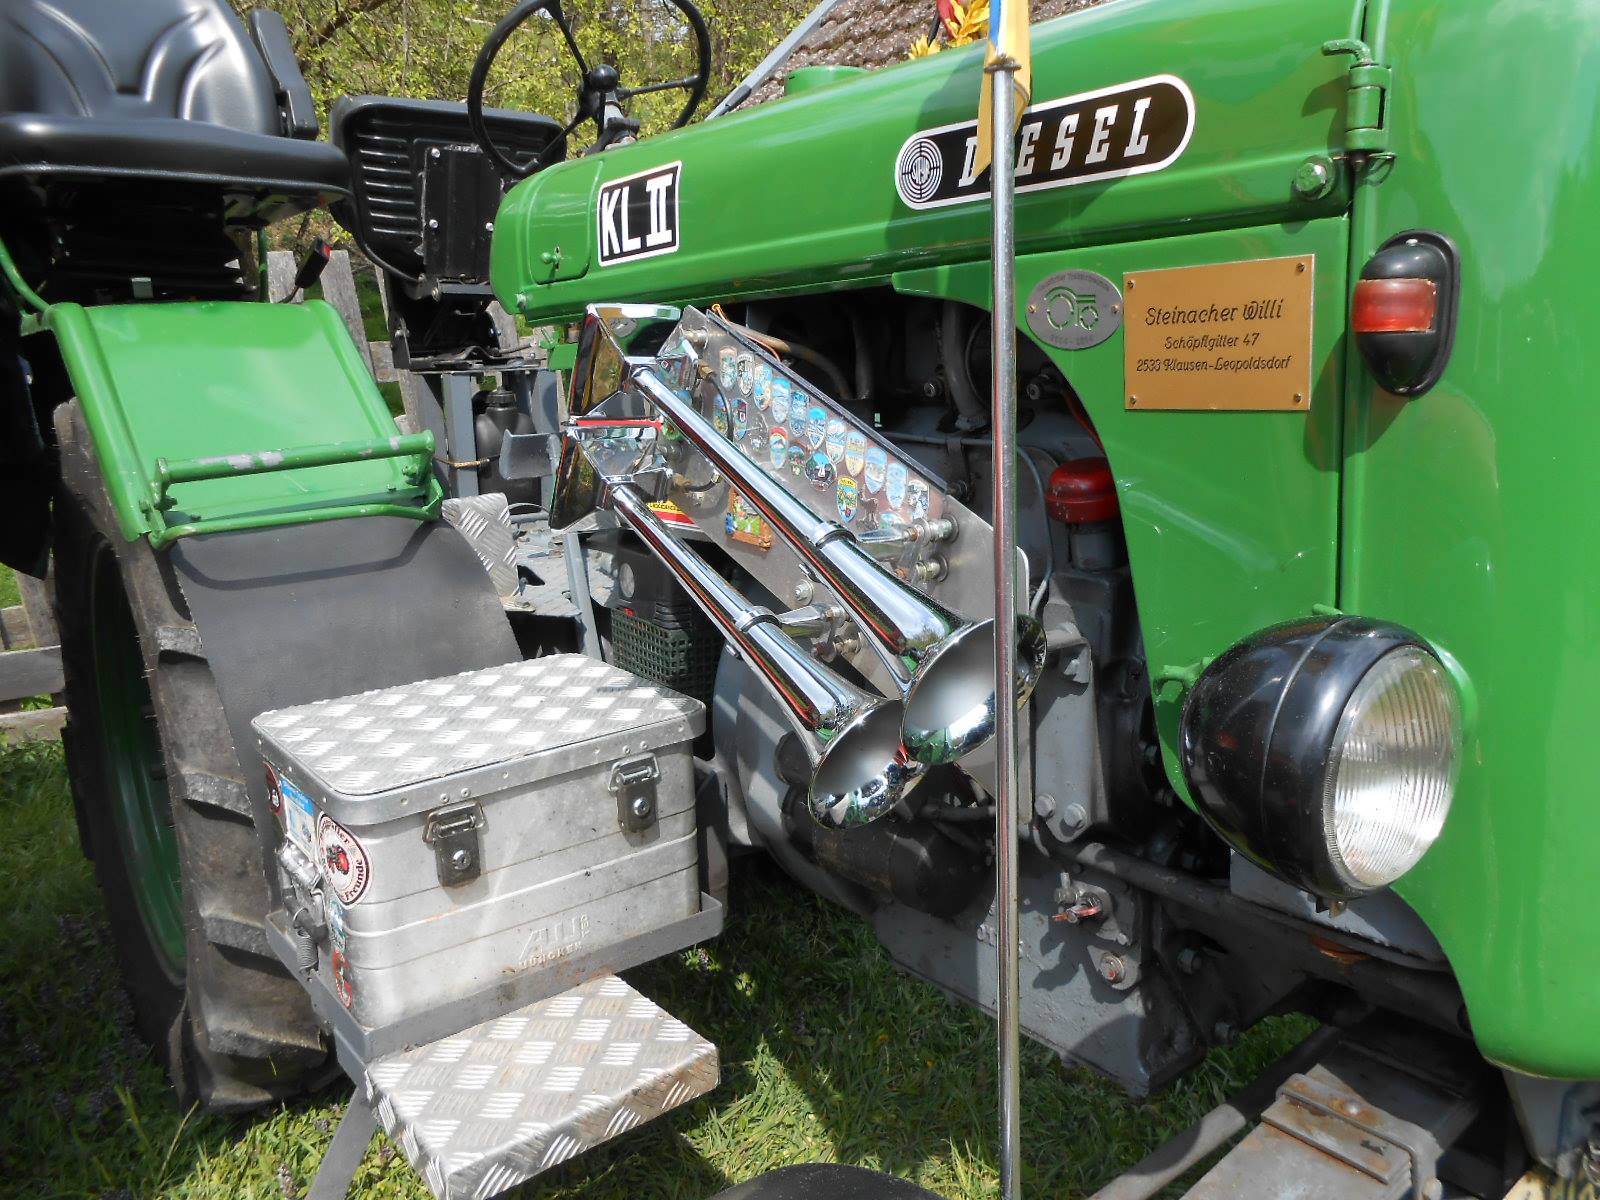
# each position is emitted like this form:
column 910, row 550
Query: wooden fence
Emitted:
column 30, row 665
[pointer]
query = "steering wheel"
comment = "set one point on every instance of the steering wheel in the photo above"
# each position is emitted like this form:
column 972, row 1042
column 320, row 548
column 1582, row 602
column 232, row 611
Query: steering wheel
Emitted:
column 599, row 93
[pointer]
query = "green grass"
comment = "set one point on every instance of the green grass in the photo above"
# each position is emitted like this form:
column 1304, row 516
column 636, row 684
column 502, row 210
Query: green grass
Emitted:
column 827, row 1052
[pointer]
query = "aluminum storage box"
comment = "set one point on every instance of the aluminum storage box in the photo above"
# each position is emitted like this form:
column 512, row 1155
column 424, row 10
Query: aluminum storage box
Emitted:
column 470, row 831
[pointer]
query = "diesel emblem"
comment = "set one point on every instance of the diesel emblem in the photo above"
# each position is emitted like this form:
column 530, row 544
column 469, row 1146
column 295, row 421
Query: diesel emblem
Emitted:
column 1130, row 129
column 638, row 215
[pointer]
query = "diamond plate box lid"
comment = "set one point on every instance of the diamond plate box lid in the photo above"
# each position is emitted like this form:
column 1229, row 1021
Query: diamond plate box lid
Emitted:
column 384, row 754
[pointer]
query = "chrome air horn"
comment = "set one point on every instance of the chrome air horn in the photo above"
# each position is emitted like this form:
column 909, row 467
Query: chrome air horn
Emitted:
column 942, row 664
column 853, row 737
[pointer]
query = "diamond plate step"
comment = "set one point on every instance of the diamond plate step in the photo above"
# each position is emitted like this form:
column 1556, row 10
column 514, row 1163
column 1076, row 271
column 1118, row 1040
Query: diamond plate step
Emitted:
column 482, row 1111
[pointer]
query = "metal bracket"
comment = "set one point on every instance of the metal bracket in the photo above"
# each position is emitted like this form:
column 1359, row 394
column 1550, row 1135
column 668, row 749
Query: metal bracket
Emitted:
column 633, row 783
column 349, row 1147
column 453, row 834
column 530, row 455
column 1342, row 1125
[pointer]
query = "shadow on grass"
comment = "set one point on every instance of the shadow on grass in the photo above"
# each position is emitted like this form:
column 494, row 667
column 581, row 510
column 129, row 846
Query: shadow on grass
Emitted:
column 827, row 1054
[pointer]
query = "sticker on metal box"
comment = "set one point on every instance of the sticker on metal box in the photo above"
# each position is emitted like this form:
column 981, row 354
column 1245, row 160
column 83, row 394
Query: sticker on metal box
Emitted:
column 299, row 817
column 344, row 860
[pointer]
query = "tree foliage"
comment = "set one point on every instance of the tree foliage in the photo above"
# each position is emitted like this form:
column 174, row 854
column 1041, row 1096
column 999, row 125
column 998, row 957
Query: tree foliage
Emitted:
column 425, row 48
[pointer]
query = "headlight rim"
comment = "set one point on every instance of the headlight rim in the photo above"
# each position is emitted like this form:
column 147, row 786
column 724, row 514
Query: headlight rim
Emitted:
column 1285, row 689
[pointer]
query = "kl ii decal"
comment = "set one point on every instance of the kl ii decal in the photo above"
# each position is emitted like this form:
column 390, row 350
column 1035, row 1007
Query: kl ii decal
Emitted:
column 1129, row 129
column 637, row 215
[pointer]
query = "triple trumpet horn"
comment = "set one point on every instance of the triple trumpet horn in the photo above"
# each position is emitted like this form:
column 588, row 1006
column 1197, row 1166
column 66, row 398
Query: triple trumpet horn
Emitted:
column 942, row 664
column 861, row 770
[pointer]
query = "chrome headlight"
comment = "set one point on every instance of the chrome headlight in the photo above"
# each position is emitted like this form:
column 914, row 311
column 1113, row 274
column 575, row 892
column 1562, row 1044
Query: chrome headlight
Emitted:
column 1326, row 751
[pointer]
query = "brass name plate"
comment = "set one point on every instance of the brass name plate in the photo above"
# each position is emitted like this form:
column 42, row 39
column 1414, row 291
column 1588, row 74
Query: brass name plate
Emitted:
column 1230, row 336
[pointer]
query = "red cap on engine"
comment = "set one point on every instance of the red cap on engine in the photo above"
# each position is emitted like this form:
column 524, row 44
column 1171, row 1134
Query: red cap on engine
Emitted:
column 1081, row 491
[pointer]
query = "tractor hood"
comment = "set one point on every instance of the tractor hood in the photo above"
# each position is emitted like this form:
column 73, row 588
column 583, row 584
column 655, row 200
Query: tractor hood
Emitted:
column 1142, row 122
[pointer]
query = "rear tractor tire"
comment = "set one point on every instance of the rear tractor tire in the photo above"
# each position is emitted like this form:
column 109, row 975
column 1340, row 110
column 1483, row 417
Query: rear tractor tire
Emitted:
column 164, row 814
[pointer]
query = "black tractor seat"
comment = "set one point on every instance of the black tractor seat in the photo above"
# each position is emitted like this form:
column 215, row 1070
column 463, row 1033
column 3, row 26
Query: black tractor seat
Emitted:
column 172, row 97
column 262, row 176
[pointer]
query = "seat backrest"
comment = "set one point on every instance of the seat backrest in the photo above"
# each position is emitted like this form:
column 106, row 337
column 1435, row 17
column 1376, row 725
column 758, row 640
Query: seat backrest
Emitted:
column 121, row 59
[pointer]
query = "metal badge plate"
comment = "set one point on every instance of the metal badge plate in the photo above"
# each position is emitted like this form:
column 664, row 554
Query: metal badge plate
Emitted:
column 1073, row 310
column 1226, row 336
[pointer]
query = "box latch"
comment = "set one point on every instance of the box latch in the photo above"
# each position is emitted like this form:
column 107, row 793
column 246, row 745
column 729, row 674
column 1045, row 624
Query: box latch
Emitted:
column 453, row 834
column 633, row 783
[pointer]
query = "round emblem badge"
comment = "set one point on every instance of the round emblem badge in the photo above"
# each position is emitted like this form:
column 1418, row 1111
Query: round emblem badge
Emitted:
column 745, row 373
column 728, row 369
column 763, row 385
column 920, row 170
column 777, row 447
column 797, row 460
column 719, row 415
column 343, row 860
column 782, row 393
column 820, row 471
column 1074, row 310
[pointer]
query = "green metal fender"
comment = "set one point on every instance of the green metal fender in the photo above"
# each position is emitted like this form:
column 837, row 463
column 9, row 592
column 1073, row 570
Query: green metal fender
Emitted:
column 210, row 417
column 1469, row 513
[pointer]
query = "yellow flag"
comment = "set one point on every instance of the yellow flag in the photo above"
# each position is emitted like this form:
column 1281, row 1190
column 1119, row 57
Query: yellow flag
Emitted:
column 1008, row 38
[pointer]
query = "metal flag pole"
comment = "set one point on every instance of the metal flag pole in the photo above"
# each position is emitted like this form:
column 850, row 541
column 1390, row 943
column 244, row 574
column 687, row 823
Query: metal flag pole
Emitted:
column 1004, row 432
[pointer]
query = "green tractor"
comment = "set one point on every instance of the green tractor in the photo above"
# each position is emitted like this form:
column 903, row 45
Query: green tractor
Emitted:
column 393, row 744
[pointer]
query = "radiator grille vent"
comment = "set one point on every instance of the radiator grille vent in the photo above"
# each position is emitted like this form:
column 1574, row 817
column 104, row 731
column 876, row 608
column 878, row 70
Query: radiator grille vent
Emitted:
column 387, row 143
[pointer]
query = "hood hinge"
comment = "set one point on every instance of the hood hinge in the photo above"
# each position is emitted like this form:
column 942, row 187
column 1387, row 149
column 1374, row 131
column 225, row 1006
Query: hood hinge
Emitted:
column 1366, row 124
